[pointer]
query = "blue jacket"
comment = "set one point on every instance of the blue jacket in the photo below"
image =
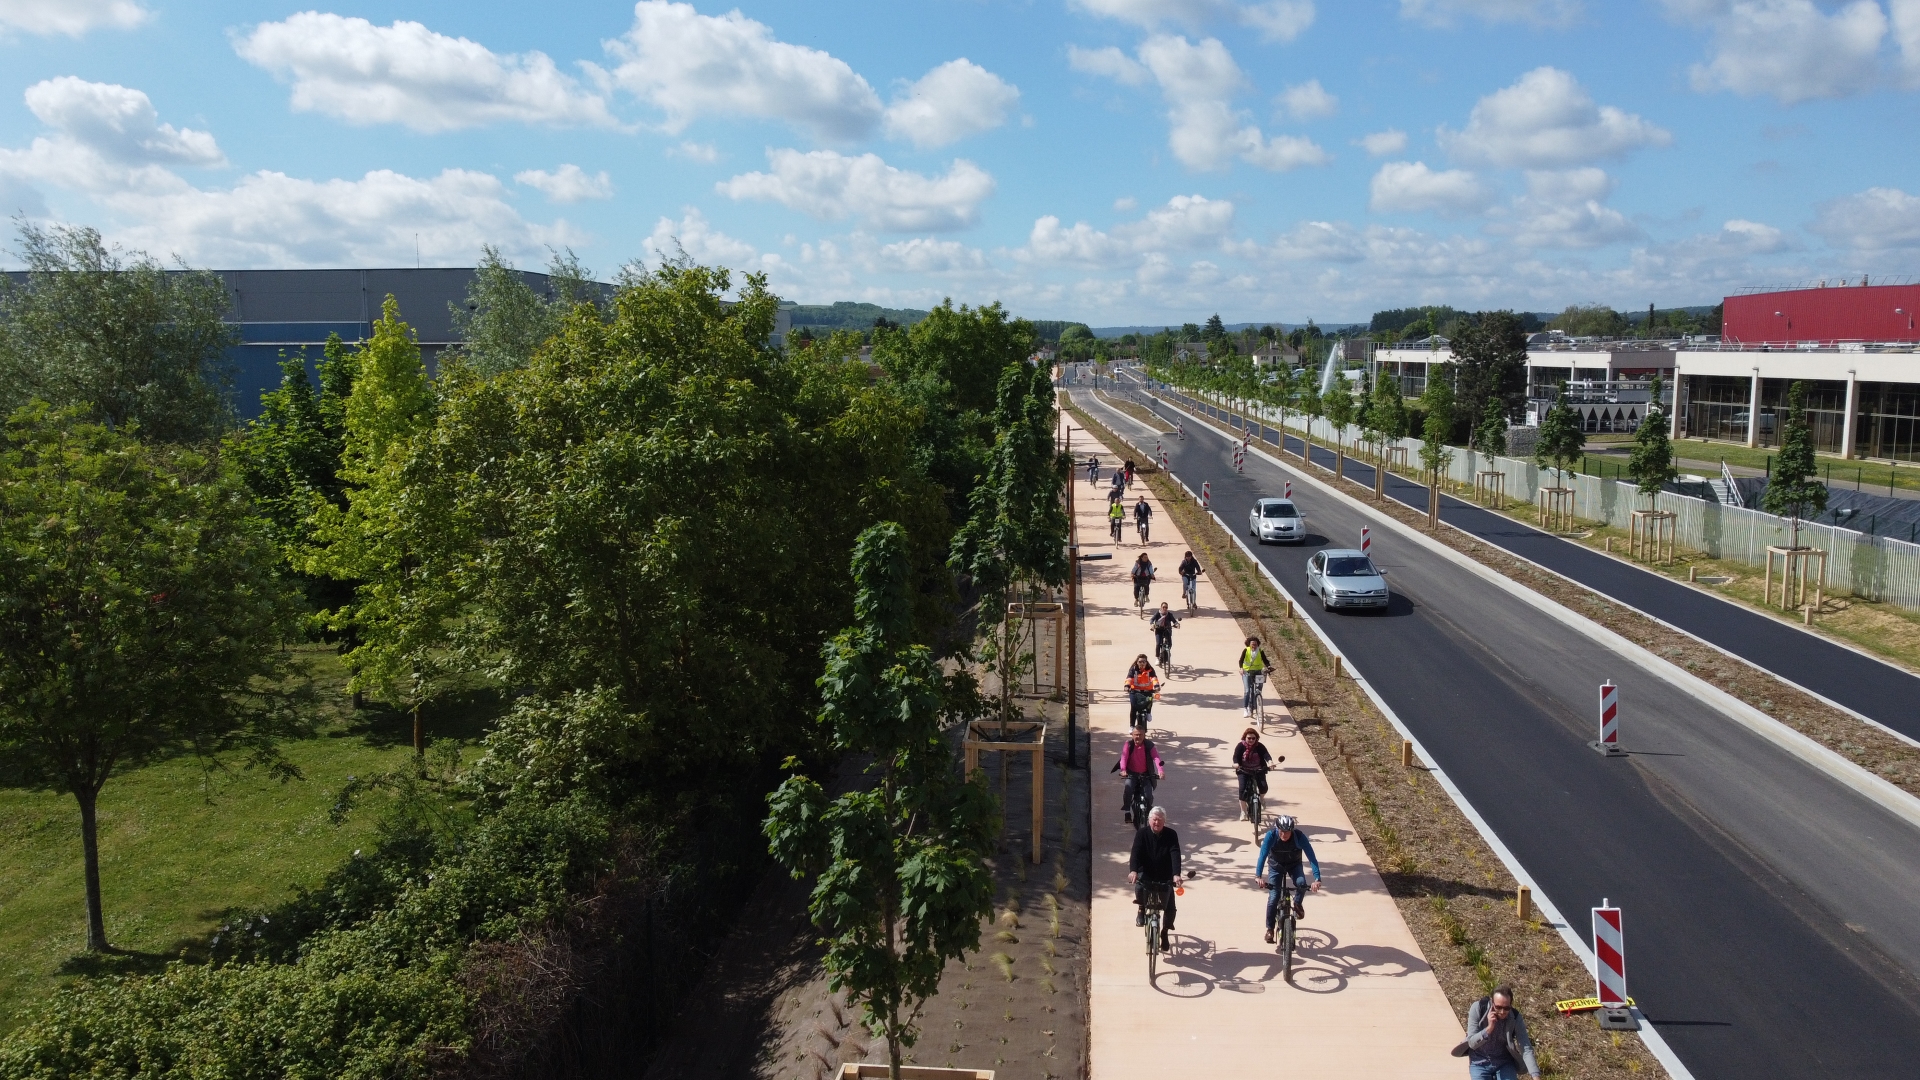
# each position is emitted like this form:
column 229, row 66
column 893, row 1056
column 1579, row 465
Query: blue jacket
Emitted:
column 1272, row 841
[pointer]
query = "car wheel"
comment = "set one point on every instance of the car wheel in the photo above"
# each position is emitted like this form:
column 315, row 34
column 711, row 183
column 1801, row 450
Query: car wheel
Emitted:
column 1324, row 606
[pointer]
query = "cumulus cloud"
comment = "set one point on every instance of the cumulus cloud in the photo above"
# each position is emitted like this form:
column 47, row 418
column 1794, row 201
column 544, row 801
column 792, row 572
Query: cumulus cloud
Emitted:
column 1446, row 12
column 407, row 74
column 695, row 236
column 705, row 153
column 1877, row 219
column 1198, row 82
column 568, row 183
column 1411, row 187
column 925, row 255
column 70, row 17
column 1383, row 143
column 832, row 187
column 1185, row 222
column 957, row 99
column 1307, row 101
column 1274, row 20
column 690, row 65
column 1547, row 119
column 1565, row 208
column 1109, row 62
column 1906, row 34
column 1793, row 50
column 119, row 123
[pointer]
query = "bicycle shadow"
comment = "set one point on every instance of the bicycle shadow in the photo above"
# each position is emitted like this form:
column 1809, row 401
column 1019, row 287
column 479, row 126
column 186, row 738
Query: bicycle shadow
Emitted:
column 1321, row 965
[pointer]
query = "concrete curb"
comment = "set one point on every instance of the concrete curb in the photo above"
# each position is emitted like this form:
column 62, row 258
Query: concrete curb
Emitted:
column 1654, row 1042
column 1880, row 792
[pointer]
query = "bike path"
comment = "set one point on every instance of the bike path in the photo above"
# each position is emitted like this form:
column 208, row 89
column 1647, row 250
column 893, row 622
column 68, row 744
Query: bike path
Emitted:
column 1741, row 868
column 1887, row 694
column 1361, row 988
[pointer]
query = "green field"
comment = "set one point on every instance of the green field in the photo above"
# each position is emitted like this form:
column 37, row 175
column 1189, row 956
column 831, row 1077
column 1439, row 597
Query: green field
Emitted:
column 180, row 848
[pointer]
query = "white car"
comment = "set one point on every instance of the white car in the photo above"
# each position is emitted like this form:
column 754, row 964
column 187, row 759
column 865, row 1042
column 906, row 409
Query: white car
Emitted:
column 1343, row 577
column 1276, row 519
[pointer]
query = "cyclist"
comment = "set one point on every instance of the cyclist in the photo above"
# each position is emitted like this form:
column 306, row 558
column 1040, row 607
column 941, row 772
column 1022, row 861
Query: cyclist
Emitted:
column 1285, row 845
column 1129, row 474
column 1155, row 861
column 1093, row 469
column 1251, row 761
column 1142, row 683
column 1142, row 769
column 1142, row 517
column 1190, row 580
column 1253, row 673
column 1163, row 624
column 1118, row 486
column 1142, row 579
column 1116, row 518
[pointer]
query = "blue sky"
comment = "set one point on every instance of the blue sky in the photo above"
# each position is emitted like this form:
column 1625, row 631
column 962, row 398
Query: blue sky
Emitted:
column 1115, row 161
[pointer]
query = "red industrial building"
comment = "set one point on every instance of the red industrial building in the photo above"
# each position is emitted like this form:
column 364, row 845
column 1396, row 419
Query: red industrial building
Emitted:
column 1829, row 315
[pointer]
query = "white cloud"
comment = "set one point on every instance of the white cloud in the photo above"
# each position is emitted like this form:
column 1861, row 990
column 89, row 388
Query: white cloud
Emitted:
column 1565, row 209
column 1906, row 34
column 1109, row 62
column 708, row 246
column 832, row 186
column 1445, row 12
column 70, row 17
column 690, row 65
column 118, row 123
column 1877, row 219
column 1547, row 119
column 1275, row 20
column 407, row 74
column 957, row 99
column 924, row 255
column 1411, row 187
column 1308, row 101
column 1185, row 222
column 568, row 183
column 705, row 153
column 1752, row 236
column 1125, row 202
column 1793, row 50
column 1205, row 131
column 1383, row 143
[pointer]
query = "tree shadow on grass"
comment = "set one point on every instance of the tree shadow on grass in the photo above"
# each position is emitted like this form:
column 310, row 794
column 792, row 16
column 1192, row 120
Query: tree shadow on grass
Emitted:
column 464, row 715
column 118, row 962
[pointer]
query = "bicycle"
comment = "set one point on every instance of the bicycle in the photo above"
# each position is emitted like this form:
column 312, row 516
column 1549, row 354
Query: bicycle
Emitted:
column 1093, row 472
column 1190, row 590
column 1140, row 588
column 1259, row 698
column 1163, row 650
column 1285, row 926
column 1155, row 895
column 1140, row 712
column 1256, row 810
column 1141, row 525
column 1115, row 522
column 1139, row 797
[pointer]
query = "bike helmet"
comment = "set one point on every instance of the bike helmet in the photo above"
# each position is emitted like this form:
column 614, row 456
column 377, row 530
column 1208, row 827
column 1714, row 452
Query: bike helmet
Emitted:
column 1284, row 823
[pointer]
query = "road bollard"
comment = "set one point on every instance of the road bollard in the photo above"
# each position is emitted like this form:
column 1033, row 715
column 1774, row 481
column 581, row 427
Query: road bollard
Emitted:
column 1693, row 574
column 1206, row 494
column 1808, row 612
column 1339, row 663
column 1609, row 741
column 1609, row 542
column 1523, row 904
column 1406, row 753
column 1289, row 608
column 1366, row 540
column 1289, row 489
column 1610, row 970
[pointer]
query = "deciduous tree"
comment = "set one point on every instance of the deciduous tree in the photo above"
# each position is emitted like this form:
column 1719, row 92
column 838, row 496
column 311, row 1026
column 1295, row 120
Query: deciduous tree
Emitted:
column 1651, row 463
column 1562, row 438
column 1794, row 490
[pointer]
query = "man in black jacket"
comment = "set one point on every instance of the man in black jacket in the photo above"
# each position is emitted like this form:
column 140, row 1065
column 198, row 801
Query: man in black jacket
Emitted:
column 1155, row 861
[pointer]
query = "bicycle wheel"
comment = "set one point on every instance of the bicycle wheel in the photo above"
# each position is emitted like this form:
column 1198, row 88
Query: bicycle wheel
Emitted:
column 1153, row 945
column 1286, row 940
column 1254, row 812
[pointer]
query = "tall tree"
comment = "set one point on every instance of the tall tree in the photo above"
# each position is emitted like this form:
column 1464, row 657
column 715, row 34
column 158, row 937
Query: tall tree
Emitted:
column 1490, row 350
column 900, row 873
column 505, row 319
column 1491, row 436
column 140, row 608
column 1651, row 464
column 1437, row 401
column 1562, row 438
column 117, row 335
column 1794, row 490
column 1389, row 412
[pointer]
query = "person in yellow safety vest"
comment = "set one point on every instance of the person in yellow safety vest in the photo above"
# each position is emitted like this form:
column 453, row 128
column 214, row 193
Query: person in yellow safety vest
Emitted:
column 1142, row 683
column 1253, row 673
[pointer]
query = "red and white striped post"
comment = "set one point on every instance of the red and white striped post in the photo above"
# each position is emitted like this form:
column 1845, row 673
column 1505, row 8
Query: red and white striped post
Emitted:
column 1239, row 459
column 1163, row 460
column 1366, row 540
column 1609, row 741
column 1206, row 495
column 1156, row 448
column 1609, row 958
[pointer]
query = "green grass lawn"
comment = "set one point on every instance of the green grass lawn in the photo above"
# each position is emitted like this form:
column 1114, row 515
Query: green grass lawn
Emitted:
column 1840, row 472
column 179, row 849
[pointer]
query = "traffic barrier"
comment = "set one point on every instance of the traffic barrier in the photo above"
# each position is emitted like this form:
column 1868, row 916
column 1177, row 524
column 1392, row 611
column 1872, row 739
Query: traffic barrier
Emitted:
column 1609, row 741
column 1206, row 495
column 1163, row 460
column 1366, row 540
column 1289, row 489
column 1610, row 970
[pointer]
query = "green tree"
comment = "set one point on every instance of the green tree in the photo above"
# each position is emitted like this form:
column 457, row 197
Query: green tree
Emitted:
column 1590, row 320
column 1490, row 367
column 1338, row 401
column 1794, row 490
column 1437, row 403
column 140, row 608
column 1389, row 412
column 120, row 336
column 1491, row 436
column 1651, row 464
column 1562, row 438
column 900, row 873
column 505, row 320
column 291, row 454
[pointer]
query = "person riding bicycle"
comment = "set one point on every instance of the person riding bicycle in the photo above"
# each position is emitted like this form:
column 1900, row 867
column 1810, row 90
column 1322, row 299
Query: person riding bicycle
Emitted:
column 1141, row 767
column 1142, row 514
column 1190, row 578
column 1142, row 578
column 1129, row 473
column 1118, row 487
column 1163, row 623
column 1155, row 861
column 1093, row 469
column 1251, row 762
column 1253, row 672
column 1142, row 683
column 1285, row 845
column 1116, row 517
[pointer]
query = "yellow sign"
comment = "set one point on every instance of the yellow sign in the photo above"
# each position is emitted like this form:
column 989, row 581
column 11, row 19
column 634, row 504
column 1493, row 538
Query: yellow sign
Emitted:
column 1585, row 1004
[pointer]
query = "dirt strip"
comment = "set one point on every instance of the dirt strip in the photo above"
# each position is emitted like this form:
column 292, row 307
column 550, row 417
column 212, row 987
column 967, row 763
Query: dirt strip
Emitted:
column 1453, row 891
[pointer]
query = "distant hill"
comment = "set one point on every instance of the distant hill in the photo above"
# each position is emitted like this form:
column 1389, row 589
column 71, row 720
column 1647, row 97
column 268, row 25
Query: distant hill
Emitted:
column 847, row 315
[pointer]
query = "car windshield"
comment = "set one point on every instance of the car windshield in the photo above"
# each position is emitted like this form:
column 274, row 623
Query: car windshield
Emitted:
column 1350, row 566
column 1280, row 510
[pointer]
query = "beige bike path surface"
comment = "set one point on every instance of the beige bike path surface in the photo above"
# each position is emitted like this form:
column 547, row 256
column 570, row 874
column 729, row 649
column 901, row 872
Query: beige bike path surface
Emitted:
column 1363, row 1000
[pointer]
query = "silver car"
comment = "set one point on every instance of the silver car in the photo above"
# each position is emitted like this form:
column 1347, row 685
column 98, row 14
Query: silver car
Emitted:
column 1343, row 577
column 1276, row 519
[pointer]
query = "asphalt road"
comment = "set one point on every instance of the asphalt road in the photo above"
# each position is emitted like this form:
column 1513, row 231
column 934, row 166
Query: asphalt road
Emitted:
column 1854, row 679
column 1772, row 916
